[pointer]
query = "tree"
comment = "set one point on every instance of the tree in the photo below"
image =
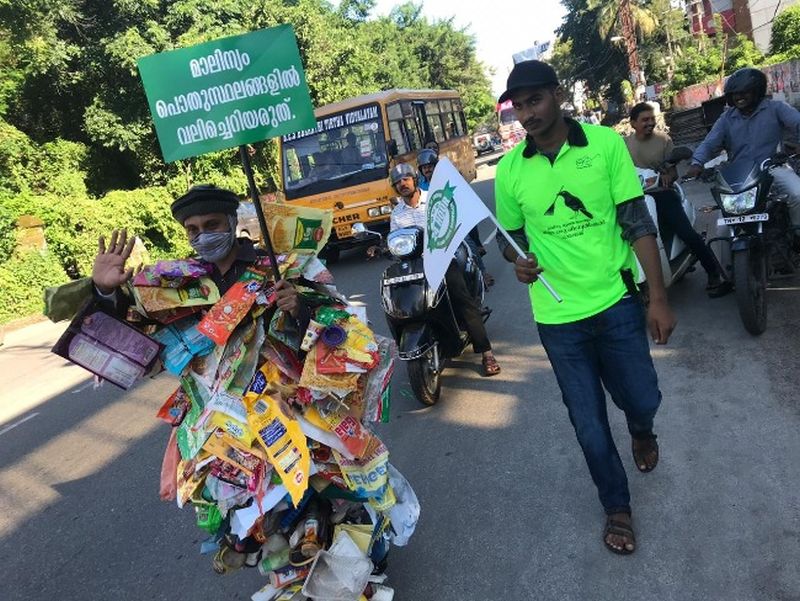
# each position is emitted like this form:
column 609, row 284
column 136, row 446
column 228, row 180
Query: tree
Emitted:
column 786, row 33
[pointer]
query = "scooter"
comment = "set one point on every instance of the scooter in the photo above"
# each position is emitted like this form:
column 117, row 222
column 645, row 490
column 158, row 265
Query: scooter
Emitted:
column 676, row 258
column 421, row 319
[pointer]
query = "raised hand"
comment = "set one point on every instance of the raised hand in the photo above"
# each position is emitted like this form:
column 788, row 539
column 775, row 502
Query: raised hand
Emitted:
column 108, row 271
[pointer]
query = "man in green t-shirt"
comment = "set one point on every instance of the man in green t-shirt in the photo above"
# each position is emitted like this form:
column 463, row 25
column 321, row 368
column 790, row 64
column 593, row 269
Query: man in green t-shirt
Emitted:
column 570, row 196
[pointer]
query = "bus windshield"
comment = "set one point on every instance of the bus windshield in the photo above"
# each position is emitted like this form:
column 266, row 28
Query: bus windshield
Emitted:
column 345, row 149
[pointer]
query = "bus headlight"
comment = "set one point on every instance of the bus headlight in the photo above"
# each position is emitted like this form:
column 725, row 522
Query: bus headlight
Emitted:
column 374, row 212
column 386, row 209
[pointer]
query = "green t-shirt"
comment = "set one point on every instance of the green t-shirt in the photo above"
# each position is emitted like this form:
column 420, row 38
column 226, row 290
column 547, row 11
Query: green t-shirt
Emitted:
column 569, row 213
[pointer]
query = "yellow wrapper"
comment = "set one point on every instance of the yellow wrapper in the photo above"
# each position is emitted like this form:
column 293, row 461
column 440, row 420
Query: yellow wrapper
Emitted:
column 285, row 444
column 297, row 228
column 240, row 431
column 154, row 298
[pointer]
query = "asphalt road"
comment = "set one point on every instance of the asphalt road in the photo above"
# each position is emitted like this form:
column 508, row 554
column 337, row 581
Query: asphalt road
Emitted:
column 508, row 509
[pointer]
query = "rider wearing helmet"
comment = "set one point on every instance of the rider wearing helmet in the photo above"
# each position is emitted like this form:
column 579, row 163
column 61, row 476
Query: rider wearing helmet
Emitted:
column 426, row 161
column 751, row 129
column 411, row 211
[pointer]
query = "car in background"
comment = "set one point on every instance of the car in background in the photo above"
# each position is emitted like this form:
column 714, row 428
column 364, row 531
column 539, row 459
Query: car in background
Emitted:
column 248, row 226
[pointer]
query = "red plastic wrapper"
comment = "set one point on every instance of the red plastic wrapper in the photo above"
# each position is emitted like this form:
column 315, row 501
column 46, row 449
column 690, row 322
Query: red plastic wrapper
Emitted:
column 225, row 315
column 175, row 408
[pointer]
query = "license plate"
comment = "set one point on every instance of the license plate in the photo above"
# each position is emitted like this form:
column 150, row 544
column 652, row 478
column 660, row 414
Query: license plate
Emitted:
column 743, row 219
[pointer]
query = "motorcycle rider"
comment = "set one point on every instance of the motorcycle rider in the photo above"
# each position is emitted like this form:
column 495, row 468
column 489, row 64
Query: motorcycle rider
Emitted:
column 750, row 129
column 650, row 149
column 426, row 162
column 411, row 211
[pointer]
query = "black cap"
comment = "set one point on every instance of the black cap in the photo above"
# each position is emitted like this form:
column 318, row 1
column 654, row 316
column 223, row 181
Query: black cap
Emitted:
column 529, row 74
column 204, row 199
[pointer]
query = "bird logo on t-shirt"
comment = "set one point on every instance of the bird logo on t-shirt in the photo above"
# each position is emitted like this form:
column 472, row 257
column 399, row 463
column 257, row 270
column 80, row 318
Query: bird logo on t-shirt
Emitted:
column 571, row 202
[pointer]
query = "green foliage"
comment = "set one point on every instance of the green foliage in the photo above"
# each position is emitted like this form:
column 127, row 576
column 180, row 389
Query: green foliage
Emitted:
column 704, row 61
column 786, row 32
column 72, row 72
column 8, row 233
column 23, row 279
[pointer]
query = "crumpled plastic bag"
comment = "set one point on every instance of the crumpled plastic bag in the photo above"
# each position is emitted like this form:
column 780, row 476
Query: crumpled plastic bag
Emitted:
column 404, row 515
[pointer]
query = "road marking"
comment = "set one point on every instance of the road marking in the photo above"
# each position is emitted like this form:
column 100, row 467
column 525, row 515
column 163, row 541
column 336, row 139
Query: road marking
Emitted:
column 19, row 423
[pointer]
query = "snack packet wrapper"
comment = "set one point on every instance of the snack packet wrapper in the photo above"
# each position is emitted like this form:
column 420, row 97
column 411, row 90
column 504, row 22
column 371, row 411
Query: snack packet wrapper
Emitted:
column 225, row 315
column 368, row 477
column 197, row 293
column 296, row 228
column 284, row 442
column 172, row 273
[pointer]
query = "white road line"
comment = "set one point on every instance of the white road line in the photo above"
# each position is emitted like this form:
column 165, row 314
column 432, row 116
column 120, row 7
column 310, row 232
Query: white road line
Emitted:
column 19, row 423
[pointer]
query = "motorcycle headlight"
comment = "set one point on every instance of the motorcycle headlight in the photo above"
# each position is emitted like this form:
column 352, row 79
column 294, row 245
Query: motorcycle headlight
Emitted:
column 402, row 244
column 739, row 203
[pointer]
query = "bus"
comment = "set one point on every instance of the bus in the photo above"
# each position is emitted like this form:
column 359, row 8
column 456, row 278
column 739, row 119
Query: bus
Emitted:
column 344, row 162
column 511, row 130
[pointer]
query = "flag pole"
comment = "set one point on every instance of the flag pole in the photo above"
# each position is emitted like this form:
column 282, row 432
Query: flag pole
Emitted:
column 262, row 222
column 522, row 254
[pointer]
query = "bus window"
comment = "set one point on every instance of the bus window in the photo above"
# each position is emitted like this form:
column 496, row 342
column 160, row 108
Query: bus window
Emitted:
column 434, row 120
column 414, row 134
column 344, row 149
column 396, row 134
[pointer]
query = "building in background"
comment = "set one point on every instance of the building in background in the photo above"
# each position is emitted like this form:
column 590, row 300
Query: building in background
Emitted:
column 752, row 18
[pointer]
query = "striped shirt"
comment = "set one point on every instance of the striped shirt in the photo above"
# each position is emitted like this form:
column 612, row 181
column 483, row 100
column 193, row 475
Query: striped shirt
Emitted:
column 406, row 216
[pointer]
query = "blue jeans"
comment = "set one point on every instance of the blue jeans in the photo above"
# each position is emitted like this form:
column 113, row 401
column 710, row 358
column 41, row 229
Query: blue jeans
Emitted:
column 608, row 349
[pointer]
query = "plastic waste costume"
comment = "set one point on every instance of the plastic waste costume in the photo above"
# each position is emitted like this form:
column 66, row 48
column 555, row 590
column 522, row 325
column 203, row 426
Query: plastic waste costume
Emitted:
column 270, row 443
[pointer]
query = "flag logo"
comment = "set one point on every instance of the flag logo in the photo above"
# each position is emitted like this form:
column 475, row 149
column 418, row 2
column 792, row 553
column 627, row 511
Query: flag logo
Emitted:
column 442, row 218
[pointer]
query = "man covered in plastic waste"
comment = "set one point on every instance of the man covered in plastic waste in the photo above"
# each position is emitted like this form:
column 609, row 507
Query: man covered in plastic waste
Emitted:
column 279, row 381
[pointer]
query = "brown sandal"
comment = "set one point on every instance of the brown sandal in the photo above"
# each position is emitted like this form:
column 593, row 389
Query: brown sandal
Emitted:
column 490, row 366
column 648, row 449
column 621, row 529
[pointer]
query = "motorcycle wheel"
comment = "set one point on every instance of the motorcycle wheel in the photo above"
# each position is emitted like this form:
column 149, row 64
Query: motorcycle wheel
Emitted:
column 425, row 378
column 750, row 280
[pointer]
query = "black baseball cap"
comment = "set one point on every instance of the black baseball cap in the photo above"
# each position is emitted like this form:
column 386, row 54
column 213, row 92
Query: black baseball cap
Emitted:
column 529, row 74
column 204, row 199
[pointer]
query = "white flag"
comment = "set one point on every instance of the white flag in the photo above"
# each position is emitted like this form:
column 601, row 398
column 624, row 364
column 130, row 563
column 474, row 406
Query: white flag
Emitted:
column 453, row 209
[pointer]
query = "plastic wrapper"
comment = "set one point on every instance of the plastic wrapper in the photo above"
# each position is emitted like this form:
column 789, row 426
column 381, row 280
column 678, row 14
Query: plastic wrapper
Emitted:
column 107, row 347
column 339, row 574
column 296, row 228
column 197, row 293
column 367, row 475
column 225, row 315
column 285, row 445
column 404, row 514
column 173, row 273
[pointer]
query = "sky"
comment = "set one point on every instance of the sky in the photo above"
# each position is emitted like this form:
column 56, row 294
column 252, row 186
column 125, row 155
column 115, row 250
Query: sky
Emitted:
column 514, row 26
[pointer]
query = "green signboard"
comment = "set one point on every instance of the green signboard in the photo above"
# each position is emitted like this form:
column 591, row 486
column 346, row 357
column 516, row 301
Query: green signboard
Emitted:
column 228, row 92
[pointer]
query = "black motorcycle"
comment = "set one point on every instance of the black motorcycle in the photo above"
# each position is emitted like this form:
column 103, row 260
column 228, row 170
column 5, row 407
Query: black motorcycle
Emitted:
column 761, row 234
column 422, row 320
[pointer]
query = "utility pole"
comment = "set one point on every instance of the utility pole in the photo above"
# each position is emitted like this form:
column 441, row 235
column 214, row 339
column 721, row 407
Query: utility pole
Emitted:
column 629, row 37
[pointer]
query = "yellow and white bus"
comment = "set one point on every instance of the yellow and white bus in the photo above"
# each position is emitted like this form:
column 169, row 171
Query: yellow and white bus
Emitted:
column 343, row 164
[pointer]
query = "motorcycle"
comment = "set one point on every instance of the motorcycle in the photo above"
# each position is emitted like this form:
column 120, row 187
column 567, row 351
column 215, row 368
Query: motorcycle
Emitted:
column 676, row 257
column 421, row 319
column 759, row 234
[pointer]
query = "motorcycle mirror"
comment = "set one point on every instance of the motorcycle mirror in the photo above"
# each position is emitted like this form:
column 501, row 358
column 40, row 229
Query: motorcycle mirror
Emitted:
column 359, row 230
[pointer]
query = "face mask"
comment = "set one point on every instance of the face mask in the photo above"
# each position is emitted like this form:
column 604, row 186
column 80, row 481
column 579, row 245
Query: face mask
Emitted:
column 214, row 246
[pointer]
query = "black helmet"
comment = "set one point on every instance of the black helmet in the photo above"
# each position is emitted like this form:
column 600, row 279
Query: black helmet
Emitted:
column 744, row 80
column 427, row 157
column 402, row 170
